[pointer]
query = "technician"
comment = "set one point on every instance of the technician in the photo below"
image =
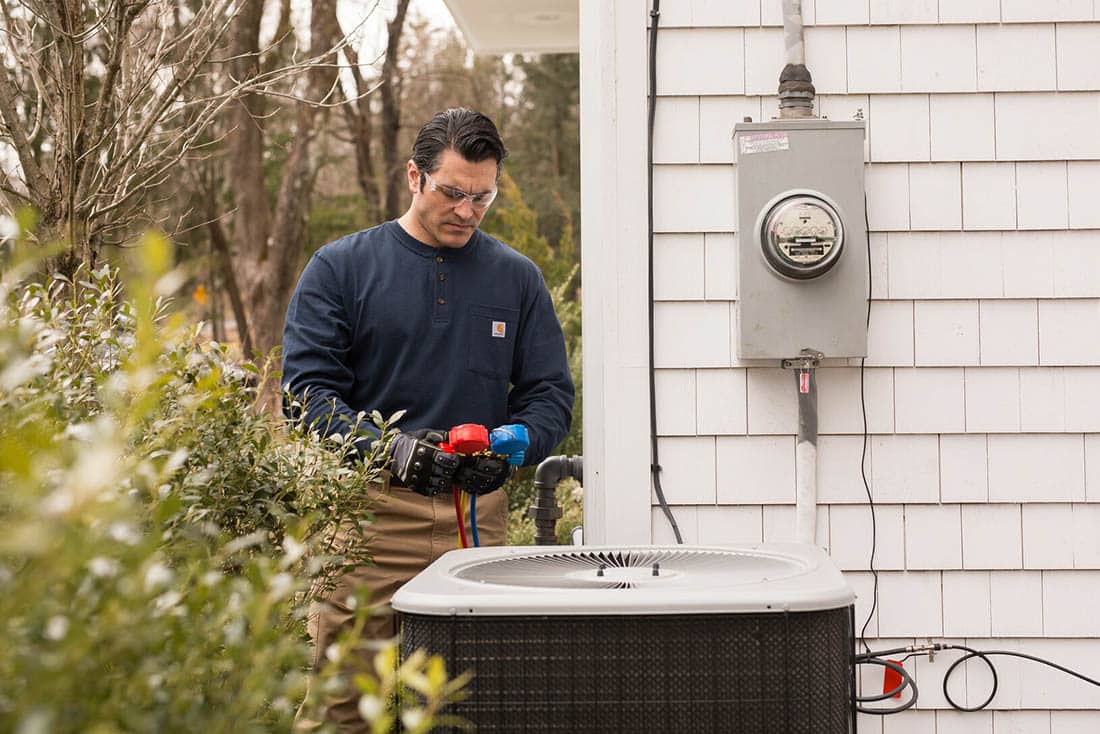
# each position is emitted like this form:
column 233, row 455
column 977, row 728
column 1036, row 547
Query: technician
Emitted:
column 430, row 315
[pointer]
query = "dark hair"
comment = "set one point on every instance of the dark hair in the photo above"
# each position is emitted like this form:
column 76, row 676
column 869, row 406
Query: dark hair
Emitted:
column 470, row 134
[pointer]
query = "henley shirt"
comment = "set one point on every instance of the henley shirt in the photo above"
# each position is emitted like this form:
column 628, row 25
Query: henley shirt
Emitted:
column 381, row 321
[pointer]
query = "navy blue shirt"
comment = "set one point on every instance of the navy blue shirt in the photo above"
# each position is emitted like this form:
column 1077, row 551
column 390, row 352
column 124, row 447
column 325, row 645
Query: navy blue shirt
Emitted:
column 381, row 321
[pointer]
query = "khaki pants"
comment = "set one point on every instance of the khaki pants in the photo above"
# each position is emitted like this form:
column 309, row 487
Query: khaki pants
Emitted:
column 408, row 533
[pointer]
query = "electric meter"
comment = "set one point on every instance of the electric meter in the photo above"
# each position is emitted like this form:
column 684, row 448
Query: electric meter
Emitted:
column 801, row 235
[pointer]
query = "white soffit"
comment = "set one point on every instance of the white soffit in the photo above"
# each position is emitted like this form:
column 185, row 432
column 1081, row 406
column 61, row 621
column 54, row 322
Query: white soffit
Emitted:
column 518, row 26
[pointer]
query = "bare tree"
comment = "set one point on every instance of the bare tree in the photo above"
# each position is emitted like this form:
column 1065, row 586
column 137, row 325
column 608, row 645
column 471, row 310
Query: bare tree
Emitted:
column 100, row 101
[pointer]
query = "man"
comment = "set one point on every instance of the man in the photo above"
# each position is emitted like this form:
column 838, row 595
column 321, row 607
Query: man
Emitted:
column 429, row 315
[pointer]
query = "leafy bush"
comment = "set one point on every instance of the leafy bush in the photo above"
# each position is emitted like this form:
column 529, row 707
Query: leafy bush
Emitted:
column 160, row 537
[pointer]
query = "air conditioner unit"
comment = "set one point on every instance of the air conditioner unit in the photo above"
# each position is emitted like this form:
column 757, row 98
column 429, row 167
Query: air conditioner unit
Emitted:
column 752, row 639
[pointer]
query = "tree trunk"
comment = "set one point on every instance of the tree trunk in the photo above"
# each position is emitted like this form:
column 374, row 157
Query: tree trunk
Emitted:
column 270, row 243
column 391, row 115
column 245, row 171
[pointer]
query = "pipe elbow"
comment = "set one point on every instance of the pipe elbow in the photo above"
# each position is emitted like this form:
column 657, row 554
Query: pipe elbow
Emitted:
column 556, row 468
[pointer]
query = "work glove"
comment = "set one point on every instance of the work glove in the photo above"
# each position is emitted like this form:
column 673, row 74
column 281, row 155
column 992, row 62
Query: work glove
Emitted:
column 510, row 440
column 482, row 473
column 417, row 462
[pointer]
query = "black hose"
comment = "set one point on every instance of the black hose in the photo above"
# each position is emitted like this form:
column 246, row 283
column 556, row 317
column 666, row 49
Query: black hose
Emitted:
column 876, row 658
column 655, row 463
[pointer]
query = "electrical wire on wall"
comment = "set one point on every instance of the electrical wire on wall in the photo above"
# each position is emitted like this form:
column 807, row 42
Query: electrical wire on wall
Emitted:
column 655, row 464
column 863, row 455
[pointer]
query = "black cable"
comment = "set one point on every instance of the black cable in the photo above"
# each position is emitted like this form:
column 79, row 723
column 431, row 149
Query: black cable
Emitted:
column 863, row 456
column 876, row 658
column 655, row 464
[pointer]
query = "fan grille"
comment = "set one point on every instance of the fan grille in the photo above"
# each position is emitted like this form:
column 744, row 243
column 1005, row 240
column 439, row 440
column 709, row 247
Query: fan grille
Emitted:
column 631, row 569
column 775, row 673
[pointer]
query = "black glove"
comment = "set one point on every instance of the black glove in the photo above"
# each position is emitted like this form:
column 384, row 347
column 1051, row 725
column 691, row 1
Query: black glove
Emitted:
column 483, row 474
column 418, row 463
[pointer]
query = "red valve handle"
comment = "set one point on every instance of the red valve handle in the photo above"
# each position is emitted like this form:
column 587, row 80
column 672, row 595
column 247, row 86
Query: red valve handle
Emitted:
column 468, row 438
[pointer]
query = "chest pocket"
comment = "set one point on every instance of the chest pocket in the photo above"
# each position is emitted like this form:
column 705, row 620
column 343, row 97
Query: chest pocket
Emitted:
column 491, row 340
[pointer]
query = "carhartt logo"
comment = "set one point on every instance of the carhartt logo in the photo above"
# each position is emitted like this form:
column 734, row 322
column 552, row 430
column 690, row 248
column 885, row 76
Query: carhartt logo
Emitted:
column 498, row 329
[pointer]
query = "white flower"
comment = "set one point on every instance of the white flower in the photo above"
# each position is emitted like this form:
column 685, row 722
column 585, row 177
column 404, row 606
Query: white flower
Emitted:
column 122, row 532
column 412, row 718
column 234, row 632
column 167, row 600
column 103, row 567
column 293, row 551
column 370, row 707
column 57, row 627
column 9, row 228
column 332, row 653
column 281, row 583
column 156, row 576
column 211, row 578
column 58, row 502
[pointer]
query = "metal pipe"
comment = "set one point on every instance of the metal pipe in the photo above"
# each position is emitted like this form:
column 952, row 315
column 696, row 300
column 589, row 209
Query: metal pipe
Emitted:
column 544, row 510
column 806, row 458
column 796, row 88
column 792, row 32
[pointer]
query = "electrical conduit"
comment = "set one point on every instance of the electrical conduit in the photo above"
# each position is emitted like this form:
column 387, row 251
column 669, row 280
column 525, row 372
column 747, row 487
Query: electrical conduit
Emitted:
column 806, row 457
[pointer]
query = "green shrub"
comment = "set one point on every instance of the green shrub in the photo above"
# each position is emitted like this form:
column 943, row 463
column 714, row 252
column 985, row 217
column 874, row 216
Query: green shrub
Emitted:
column 160, row 536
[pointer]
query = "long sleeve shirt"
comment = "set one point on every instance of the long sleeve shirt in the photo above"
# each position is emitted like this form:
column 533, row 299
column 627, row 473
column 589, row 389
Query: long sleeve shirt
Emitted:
column 381, row 321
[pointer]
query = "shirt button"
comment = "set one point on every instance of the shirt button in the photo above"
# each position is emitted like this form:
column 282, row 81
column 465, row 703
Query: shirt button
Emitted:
column 439, row 258
column 442, row 276
column 442, row 301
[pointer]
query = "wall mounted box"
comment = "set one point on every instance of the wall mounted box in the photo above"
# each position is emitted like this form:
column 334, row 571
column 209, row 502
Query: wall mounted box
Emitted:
column 803, row 238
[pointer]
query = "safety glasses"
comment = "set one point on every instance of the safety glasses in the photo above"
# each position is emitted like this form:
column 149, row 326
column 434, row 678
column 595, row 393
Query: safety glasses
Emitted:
column 479, row 201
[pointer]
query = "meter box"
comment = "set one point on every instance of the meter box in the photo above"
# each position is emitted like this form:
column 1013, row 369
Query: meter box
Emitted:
column 802, row 276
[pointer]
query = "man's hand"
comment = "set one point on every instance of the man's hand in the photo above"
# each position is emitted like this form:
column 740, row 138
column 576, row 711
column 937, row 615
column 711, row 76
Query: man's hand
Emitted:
column 417, row 462
column 511, row 440
column 482, row 474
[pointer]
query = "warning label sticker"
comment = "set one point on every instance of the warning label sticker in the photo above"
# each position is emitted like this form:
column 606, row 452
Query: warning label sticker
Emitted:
column 763, row 143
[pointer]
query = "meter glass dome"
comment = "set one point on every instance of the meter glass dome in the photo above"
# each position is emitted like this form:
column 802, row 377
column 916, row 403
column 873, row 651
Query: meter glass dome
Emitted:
column 802, row 237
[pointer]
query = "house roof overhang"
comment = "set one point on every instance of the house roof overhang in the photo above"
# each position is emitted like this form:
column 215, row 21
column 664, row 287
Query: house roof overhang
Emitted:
column 518, row 26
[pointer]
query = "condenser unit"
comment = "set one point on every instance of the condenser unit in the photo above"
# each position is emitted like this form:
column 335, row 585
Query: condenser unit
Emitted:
column 753, row 639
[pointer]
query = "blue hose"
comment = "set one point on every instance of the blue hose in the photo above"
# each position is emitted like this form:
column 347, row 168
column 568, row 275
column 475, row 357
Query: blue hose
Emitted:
column 473, row 520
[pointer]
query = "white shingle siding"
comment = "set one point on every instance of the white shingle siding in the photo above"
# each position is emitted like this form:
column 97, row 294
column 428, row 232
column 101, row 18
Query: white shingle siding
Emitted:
column 701, row 61
column 898, row 127
column 929, row 401
column 935, row 196
column 1009, row 332
column 756, row 470
column 675, row 391
column 679, row 259
column 719, row 266
column 961, row 127
column 691, row 334
column 982, row 379
column 1016, row 58
column 970, row 11
column 720, row 406
column 688, row 476
column 1036, row 468
column 1041, row 195
column 937, row 59
column 989, row 195
column 687, row 211
column 964, row 468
